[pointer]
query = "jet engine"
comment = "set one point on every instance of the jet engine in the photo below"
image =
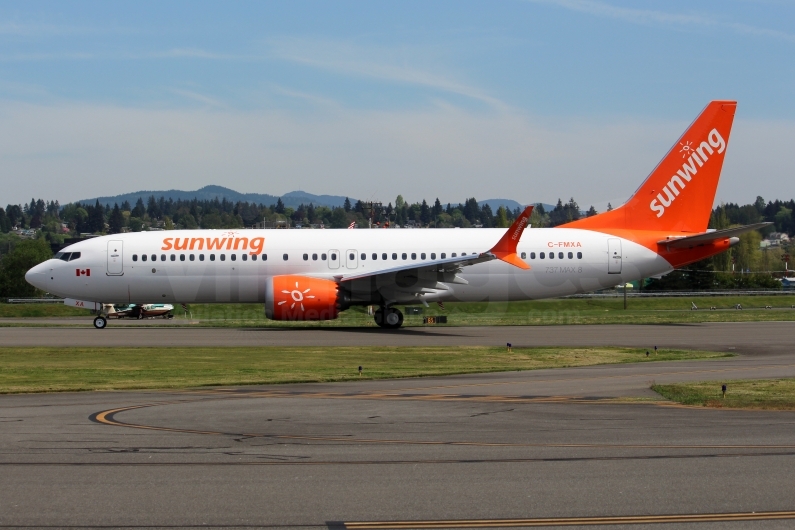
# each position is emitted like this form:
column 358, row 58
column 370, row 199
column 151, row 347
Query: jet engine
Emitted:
column 292, row 297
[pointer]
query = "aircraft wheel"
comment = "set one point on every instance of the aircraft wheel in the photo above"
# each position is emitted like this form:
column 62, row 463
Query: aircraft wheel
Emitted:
column 379, row 318
column 394, row 319
column 100, row 322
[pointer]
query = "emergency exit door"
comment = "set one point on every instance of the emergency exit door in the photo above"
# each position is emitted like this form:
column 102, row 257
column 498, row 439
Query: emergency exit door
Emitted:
column 614, row 256
column 115, row 258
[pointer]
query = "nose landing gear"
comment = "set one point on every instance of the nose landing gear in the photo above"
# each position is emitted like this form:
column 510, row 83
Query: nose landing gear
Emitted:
column 100, row 322
column 388, row 318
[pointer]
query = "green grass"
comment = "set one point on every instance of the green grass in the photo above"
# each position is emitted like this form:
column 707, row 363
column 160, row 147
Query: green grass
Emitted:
column 557, row 311
column 39, row 310
column 769, row 394
column 46, row 369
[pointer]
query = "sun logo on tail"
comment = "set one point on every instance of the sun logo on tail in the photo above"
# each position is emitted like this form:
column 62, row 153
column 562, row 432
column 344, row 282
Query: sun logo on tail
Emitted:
column 297, row 295
column 686, row 149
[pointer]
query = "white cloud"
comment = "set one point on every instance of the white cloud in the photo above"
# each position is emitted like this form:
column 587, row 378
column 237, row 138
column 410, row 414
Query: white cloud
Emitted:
column 650, row 16
column 74, row 151
column 393, row 65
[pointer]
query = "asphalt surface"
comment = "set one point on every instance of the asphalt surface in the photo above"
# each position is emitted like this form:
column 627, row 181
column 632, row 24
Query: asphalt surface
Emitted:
column 746, row 337
column 518, row 446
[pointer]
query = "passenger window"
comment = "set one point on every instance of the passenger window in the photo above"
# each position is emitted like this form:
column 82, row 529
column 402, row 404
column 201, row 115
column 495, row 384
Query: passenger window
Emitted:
column 223, row 257
column 413, row 255
column 201, row 257
column 404, row 256
column 571, row 255
column 244, row 257
column 154, row 257
column 579, row 255
column 383, row 256
column 212, row 257
column 193, row 257
column 322, row 256
column 182, row 257
column 542, row 255
column 524, row 255
column 551, row 255
column 422, row 256
column 162, row 257
column 306, row 257
column 351, row 256
column 143, row 257
column 463, row 253
column 364, row 256
column 265, row 257
column 314, row 257
column 375, row 256
column 284, row 257
column 173, row 257
column 394, row 255
column 560, row 255
column 333, row 256
column 253, row 257
column 532, row 255
column 135, row 257
column 433, row 255
column 444, row 255
column 453, row 255
column 233, row 257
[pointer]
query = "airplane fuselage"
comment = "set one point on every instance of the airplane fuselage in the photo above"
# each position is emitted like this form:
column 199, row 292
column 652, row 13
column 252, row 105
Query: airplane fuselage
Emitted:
column 180, row 266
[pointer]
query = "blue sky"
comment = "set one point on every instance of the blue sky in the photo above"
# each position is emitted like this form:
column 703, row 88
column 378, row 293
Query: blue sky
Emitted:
column 530, row 100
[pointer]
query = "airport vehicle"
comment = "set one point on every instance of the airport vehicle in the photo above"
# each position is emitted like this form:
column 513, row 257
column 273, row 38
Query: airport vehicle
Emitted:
column 315, row 274
column 136, row 311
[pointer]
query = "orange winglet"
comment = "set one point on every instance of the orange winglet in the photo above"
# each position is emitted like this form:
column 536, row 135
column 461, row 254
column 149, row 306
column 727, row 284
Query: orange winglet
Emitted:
column 505, row 249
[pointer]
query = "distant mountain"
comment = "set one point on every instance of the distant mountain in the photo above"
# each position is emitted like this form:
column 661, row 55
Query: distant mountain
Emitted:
column 511, row 205
column 292, row 199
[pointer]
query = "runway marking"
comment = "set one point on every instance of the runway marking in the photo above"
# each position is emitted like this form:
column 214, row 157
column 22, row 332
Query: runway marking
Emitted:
column 434, row 461
column 107, row 417
column 571, row 521
column 659, row 374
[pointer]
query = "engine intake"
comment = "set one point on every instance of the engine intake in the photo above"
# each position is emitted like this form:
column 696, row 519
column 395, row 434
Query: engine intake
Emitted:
column 292, row 297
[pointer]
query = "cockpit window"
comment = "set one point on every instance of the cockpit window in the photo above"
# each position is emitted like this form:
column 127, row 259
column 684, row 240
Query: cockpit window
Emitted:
column 74, row 256
column 64, row 255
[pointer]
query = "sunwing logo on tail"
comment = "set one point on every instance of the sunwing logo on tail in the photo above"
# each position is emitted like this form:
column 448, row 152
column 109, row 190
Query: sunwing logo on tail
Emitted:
column 696, row 158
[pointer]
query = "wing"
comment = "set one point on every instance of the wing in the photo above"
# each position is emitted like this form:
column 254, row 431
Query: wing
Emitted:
column 709, row 237
column 432, row 276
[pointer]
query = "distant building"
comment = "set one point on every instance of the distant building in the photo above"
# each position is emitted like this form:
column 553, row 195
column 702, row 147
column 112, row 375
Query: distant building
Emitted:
column 775, row 239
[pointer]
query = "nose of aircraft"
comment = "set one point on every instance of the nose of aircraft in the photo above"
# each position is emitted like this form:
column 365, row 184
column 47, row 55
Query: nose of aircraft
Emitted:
column 37, row 276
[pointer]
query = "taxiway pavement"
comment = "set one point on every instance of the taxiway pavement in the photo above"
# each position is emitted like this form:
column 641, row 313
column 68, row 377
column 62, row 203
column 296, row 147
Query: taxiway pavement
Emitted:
column 570, row 445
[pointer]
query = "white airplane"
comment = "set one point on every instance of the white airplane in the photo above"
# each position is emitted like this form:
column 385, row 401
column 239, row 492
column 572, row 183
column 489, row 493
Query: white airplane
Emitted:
column 315, row 274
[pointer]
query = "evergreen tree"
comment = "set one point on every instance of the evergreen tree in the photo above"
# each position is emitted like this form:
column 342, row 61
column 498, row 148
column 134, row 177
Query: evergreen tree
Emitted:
column 116, row 221
column 591, row 212
column 347, row 205
column 279, row 208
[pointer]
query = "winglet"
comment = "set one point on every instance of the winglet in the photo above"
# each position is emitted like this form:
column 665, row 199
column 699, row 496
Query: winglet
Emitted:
column 505, row 249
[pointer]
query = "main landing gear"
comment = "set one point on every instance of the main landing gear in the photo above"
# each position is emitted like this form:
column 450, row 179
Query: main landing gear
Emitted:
column 100, row 322
column 388, row 318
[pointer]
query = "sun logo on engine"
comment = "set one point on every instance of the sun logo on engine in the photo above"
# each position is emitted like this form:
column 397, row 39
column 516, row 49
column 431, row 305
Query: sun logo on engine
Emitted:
column 686, row 149
column 298, row 297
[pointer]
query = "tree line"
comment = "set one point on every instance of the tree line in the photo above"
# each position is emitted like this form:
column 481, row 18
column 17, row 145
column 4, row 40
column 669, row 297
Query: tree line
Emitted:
column 52, row 224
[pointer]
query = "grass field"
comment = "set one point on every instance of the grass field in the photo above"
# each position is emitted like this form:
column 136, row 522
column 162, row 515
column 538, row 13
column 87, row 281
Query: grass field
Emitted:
column 534, row 312
column 771, row 394
column 45, row 369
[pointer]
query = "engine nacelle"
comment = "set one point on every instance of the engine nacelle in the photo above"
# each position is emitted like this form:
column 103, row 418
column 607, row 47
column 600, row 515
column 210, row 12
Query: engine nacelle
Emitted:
column 292, row 297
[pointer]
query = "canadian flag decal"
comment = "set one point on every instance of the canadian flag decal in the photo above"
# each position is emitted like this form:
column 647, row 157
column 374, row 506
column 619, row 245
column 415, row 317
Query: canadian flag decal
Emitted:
column 82, row 272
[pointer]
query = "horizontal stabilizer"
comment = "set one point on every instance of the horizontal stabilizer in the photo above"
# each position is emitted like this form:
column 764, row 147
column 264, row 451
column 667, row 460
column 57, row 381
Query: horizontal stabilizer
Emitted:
column 709, row 237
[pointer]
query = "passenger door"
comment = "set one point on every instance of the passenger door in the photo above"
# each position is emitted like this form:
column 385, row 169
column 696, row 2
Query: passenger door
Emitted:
column 351, row 259
column 115, row 258
column 333, row 259
column 614, row 256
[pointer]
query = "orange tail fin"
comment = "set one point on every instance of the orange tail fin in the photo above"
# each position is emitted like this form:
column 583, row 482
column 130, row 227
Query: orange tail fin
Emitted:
column 677, row 196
